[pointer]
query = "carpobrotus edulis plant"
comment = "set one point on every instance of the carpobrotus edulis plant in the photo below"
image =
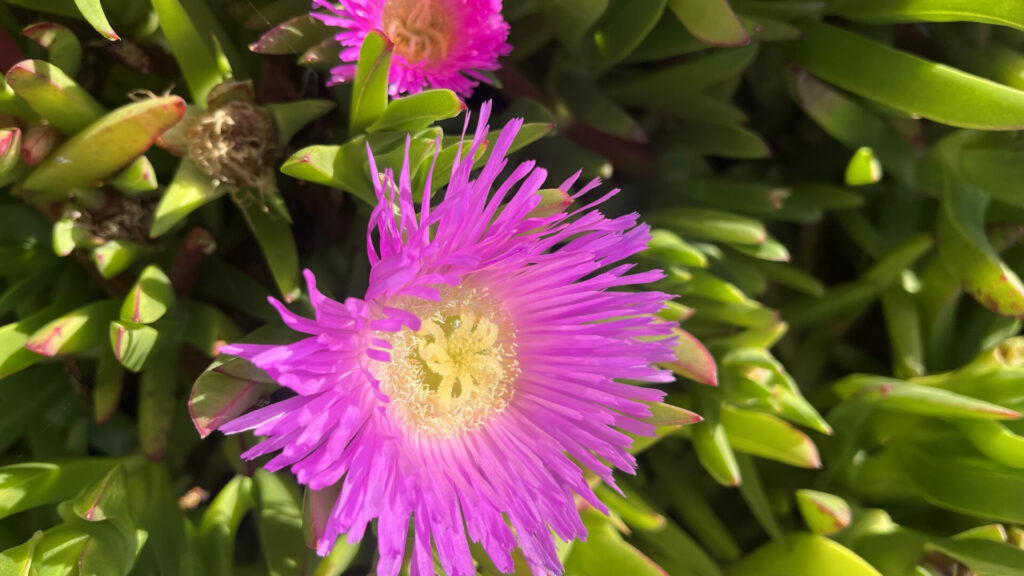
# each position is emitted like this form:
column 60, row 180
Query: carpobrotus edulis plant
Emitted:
column 478, row 378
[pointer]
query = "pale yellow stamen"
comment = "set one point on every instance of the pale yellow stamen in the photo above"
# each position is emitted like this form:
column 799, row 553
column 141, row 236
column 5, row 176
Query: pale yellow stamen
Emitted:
column 457, row 371
column 420, row 29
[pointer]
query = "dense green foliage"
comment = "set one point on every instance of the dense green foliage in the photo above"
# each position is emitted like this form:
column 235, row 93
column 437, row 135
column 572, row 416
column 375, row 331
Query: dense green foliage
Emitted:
column 836, row 191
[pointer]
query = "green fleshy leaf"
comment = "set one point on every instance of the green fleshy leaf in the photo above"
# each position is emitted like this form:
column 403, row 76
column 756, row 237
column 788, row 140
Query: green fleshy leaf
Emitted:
column 37, row 143
column 103, row 500
column 994, row 170
column 106, row 395
column 679, row 485
column 149, row 298
column 970, row 257
column 552, row 201
column 219, row 396
column 280, row 524
column 998, row 12
column 157, row 387
column 606, row 553
column 190, row 49
column 995, row 441
column 103, row 148
column 853, row 125
column 746, row 315
column 693, row 360
column 339, row 167
column 823, row 513
column 33, row 392
column 712, row 445
column 247, row 295
column 342, row 556
column 207, row 327
column 11, row 103
column 14, row 354
column 116, row 256
column 764, row 29
column 27, row 485
column 991, row 532
column 137, row 178
column 726, row 141
column 290, row 117
column 863, row 168
column 20, row 560
column 770, row 250
column 418, row 111
column 952, row 481
column 10, row 153
column 175, row 138
column 712, row 225
column 712, row 21
column 322, row 56
column 807, row 202
column 803, row 554
column 217, row 528
column 63, row 48
column 231, row 91
column 571, row 19
column 92, row 10
column 132, row 344
column 706, row 285
column 588, row 104
column 370, row 86
column 53, row 95
column 671, row 246
column 623, row 27
column 918, row 399
column 663, row 414
column 77, row 331
column 293, row 36
column 189, row 190
column 661, row 86
column 746, row 197
column 631, row 508
column 853, row 296
column 903, row 321
column 766, row 436
column 983, row 557
column 752, row 490
column 679, row 554
column 906, row 82
column 668, row 39
column 274, row 236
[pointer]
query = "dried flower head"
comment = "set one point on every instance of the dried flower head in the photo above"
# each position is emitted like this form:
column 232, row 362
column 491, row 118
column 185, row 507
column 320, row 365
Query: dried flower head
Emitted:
column 233, row 144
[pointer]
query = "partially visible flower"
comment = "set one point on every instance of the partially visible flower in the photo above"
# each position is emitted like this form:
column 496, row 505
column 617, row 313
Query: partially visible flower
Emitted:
column 480, row 376
column 437, row 43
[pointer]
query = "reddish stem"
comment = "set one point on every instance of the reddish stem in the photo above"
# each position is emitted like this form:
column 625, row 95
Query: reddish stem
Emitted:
column 185, row 269
column 10, row 53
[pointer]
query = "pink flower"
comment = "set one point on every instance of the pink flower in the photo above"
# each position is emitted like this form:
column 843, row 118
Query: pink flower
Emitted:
column 480, row 375
column 438, row 43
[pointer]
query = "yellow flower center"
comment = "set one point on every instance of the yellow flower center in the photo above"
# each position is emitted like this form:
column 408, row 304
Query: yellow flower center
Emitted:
column 457, row 371
column 420, row 29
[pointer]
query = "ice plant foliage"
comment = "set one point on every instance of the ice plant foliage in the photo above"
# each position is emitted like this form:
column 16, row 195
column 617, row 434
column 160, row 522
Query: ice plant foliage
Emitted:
column 437, row 43
column 477, row 379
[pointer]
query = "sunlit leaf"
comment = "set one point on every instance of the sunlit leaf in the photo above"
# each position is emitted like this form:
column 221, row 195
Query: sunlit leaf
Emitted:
column 370, row 86
column 906, row 82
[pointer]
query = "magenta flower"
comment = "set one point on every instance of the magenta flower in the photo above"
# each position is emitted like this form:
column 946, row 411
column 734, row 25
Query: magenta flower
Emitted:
column 438, row 43
column 477, row 379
